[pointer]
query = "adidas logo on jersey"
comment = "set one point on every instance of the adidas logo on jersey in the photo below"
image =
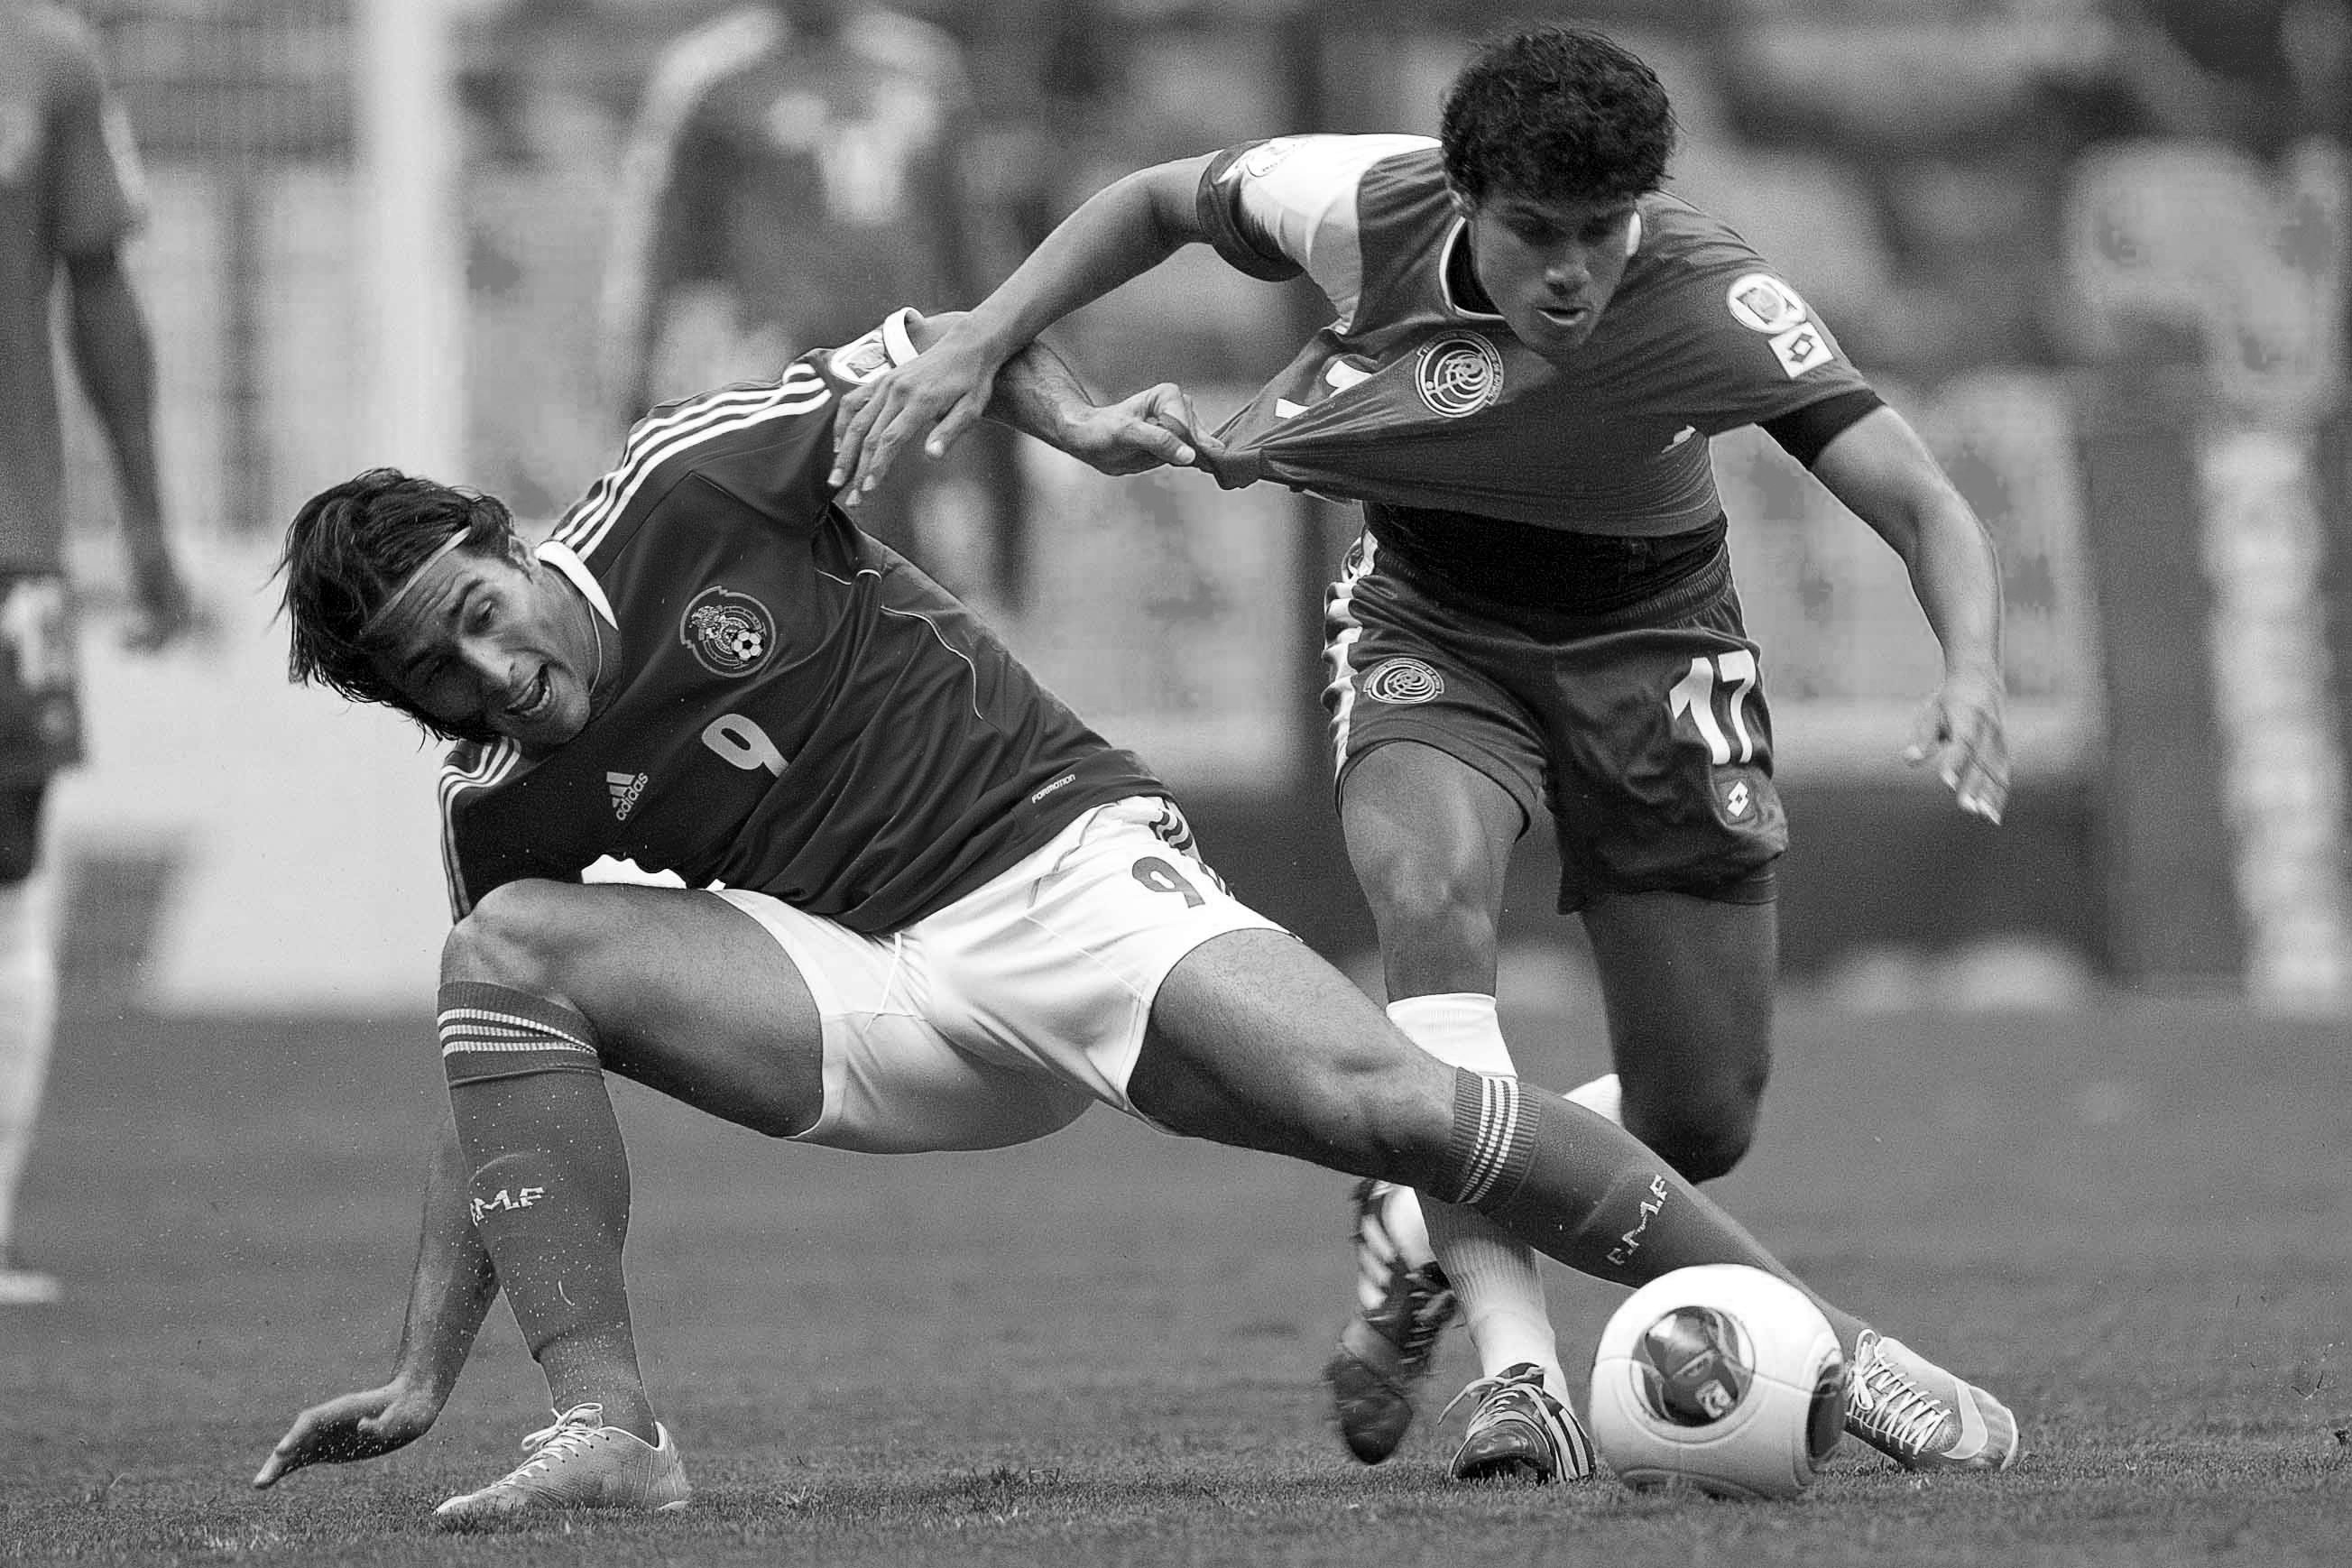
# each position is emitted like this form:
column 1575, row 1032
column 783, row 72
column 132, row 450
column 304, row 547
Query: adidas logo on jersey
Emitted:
column 625, row 788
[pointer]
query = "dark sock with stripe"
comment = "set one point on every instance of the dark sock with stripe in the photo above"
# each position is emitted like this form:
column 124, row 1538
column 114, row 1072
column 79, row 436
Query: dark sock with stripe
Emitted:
column 1578, row 1187
column 549, row 1187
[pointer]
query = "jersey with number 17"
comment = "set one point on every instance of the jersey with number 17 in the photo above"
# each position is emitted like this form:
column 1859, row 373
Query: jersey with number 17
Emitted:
column 800, row 712
column 1418, row 393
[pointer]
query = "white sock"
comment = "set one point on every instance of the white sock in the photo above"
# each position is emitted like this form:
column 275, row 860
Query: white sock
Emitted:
column 1501, row 1292
column 28, row 1000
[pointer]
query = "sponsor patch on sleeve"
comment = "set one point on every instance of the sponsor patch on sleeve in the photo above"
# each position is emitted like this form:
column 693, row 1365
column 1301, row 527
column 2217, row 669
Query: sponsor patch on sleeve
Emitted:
column 1801, row 348
column 1762, row 303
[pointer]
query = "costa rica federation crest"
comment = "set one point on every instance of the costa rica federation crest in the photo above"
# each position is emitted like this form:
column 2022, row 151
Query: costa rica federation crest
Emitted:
column 1458, row 374
column 1403, row 681
column 730, row 634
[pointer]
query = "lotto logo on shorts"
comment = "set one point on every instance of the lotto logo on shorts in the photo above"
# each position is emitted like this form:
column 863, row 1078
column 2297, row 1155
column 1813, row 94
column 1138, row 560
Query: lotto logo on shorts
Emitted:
column 1737, row 799
column 1403, row 680
column 1458, row 374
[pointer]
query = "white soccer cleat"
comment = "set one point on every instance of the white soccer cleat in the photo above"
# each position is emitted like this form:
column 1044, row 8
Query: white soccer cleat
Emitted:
column 578, row 1462
column 1921, row 1416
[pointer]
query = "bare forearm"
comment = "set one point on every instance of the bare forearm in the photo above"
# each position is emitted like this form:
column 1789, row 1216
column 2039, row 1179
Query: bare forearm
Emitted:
column 1956, row 579
column 1038, row 393
column 454, row 1282
column 1119, row 233
column 116, row 359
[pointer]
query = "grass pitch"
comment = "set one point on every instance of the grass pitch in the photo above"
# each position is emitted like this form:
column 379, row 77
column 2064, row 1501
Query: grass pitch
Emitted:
column 2132, row 1223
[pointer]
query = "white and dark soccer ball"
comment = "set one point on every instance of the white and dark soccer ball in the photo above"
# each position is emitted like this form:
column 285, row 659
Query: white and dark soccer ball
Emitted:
column 1720, row 1378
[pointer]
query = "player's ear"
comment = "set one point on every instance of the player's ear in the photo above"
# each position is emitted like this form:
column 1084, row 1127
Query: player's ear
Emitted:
column 1634, row 234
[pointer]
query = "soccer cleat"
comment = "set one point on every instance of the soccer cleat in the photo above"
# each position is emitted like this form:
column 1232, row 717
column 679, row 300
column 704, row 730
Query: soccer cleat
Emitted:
column 1519, row 1432
column 1920, row 1415
column 23, row 1288
column 578, row 1462
column 1387, row 1347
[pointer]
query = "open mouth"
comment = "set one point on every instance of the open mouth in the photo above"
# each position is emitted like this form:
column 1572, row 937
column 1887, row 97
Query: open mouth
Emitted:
column 1566, row 317
column 534, row 702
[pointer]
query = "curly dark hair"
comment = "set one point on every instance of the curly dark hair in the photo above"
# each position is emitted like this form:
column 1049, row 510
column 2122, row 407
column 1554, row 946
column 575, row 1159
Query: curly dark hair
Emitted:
column 348, row 550
column 1556, row 113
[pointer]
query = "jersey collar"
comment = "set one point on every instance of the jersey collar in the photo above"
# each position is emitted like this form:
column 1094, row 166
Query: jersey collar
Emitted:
column 562, row 558
column 1455, row 252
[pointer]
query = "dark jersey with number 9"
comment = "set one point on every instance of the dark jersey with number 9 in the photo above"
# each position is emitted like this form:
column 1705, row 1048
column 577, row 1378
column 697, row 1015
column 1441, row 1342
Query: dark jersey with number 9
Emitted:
column 802, row 713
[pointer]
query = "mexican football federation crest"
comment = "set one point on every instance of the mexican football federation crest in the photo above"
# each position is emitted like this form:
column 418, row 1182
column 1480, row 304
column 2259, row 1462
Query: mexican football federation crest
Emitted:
column 1458, row 374
column 730, row 634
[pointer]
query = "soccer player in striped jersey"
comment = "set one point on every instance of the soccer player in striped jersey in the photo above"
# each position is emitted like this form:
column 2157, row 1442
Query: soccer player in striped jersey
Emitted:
column 1531, row 342
column 925, row 907
column 69, row 199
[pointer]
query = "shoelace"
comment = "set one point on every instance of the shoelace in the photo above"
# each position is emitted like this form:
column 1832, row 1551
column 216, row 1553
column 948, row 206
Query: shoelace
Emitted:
column 1895, row 1408
column 1494, row 1382
column 572, row 1432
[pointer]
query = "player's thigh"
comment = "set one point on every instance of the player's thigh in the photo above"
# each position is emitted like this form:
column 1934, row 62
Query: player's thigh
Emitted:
column 1688, row 983
column 1258, row 1042
column 1426, row 831
column 1660, row 745
column 688, row 994
column 1053, row 965
column 893, row 1081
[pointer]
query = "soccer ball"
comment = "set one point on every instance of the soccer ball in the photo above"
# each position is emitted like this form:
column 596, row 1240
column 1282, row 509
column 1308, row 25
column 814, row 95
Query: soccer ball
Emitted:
column 1721, row 1378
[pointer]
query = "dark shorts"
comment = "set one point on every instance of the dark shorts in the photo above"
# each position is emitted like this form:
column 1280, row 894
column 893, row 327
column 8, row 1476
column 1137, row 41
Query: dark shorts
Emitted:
column 1644, row 732
column 40, row 708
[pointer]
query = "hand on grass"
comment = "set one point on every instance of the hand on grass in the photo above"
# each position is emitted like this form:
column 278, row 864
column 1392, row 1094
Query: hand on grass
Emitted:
column 360, row 1425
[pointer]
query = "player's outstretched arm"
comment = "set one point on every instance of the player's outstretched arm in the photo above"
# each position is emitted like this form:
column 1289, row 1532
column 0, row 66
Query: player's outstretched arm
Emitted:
column 449, row 1293
column 1120, row 232
column 1882, row 470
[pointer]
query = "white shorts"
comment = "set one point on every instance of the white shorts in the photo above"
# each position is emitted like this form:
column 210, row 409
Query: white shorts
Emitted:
column 1003, row 1016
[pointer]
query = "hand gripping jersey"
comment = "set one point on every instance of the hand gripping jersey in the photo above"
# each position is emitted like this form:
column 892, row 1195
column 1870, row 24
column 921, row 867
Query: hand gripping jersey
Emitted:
column 69, row 183
column 802, row 712
column 1415, row 397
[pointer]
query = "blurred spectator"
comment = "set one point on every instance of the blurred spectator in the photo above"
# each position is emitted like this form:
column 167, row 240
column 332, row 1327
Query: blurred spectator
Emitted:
column 1966, row 130
column 792, row 176
column 69, row 199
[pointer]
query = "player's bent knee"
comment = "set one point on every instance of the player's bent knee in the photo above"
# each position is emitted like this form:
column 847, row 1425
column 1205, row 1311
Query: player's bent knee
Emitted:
column 521, row 934
column 1703, row 1148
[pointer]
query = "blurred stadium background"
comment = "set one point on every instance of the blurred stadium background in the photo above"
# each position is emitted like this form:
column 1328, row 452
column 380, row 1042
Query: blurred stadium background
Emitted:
column 2097, row 248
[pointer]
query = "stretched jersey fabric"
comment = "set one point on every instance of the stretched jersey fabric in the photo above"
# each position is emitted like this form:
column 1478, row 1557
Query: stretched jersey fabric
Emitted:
column 68, row 188
column 1418, row 396
column 800, row 713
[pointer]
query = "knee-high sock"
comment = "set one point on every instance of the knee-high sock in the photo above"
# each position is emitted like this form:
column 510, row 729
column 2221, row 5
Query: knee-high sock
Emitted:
column 1588, row 1193
column 1493, row 1274
column 28, row 1005
column 550, row 1188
